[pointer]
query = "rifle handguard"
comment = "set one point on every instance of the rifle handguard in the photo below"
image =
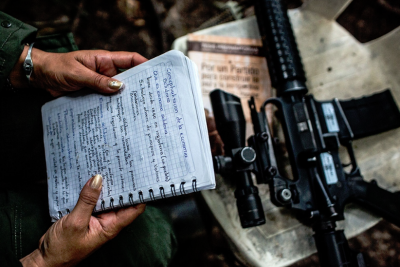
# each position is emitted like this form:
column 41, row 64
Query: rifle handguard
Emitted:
column 283, row 57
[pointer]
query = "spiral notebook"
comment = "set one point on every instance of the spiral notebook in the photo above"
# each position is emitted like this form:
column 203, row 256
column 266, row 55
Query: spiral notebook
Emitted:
column 149, row 141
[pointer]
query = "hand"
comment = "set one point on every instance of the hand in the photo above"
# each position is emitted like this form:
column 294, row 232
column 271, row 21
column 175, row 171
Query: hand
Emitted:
column 217, row 146
column 64, row 72
column 78, row 234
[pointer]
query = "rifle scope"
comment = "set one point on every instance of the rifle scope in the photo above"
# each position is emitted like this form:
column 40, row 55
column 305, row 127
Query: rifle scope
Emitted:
column 239, row 158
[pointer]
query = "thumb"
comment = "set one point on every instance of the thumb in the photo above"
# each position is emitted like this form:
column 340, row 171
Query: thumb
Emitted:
column 87, row 201
column 99, row 82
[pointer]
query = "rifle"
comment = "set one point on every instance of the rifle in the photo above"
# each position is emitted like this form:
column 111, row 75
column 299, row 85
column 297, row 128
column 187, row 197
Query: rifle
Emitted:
column 314, row 131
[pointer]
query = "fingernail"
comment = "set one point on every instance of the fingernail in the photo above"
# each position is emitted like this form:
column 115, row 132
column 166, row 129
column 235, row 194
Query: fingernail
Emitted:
column 96, row 181
column 116, row 85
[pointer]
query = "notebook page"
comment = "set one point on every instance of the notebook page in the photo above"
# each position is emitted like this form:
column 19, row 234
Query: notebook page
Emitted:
column 197, row 95
column 144, row 137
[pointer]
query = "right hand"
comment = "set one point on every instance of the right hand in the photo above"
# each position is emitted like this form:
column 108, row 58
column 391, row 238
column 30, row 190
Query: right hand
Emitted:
column 60, row 73
column 78, row 234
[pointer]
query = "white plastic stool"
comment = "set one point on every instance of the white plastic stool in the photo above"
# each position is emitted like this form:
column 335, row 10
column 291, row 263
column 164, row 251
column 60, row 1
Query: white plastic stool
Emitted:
column 337, row 66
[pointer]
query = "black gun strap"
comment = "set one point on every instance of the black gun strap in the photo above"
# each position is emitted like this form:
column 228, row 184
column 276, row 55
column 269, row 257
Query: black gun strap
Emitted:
column 371, row 115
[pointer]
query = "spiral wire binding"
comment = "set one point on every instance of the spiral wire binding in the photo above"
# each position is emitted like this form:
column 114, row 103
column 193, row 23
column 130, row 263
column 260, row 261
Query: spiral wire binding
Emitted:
column 60, row 215
column 121, row 201
column 182, row 188
column 151, row 193
column 141, row 197
column 112, row 203
column 194, row 185
column 162, row 192
column 173, row 191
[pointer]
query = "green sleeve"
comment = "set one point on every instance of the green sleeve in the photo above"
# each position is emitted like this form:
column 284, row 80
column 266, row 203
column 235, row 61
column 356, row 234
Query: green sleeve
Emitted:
column 13, row 36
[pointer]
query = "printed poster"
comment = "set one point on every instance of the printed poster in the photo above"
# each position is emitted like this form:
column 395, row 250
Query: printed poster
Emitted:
column 235, row 65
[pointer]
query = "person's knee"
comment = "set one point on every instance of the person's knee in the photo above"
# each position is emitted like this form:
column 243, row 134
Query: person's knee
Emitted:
column 148, row 241
column 156, row 237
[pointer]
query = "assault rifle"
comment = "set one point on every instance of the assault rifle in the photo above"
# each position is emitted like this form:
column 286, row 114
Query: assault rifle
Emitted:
column 313, row 131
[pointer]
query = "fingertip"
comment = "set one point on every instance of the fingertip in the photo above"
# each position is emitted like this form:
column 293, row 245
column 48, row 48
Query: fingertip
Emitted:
column 96, row 181
column 129, row 214
column 137, row 209
column 102, row 83
column 140, row 208
column 115, row 85
column 138, row 59
column 92, row 187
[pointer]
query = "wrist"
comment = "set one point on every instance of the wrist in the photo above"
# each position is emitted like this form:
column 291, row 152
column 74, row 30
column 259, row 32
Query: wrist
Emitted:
column 18, row 78
column 28, row 64
column 38, row 58
column 35, row 259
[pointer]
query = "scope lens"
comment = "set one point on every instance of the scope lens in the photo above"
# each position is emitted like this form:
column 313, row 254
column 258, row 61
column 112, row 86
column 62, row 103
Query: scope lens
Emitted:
column 250, row 209
column 248, row 155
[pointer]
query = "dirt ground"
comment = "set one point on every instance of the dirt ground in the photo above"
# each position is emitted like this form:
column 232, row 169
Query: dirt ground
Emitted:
column 149, row 28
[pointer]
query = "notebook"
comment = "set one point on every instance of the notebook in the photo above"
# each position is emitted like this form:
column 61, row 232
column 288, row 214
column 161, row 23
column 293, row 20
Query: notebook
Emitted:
column 149, row 141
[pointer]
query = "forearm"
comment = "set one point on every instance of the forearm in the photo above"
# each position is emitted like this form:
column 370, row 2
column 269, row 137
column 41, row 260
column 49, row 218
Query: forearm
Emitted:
column 13, row 38
column 17, row 75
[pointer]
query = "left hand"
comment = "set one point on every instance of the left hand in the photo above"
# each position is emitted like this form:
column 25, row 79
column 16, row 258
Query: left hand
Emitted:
column 78, row 234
